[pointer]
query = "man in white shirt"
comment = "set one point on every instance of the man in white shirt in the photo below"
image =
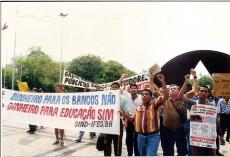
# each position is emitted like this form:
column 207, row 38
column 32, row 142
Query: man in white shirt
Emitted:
column 131, row 136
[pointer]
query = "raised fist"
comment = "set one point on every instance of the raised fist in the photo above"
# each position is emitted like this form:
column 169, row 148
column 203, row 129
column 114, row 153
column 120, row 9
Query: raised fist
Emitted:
column 187, row 77
column 160, row 77
column 193, row 72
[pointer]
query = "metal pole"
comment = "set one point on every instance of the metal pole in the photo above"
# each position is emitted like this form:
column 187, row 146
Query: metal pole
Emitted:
column 21, row 73
column 61, row 61
column 60, row 78
column 13, row 66
column 4, row 82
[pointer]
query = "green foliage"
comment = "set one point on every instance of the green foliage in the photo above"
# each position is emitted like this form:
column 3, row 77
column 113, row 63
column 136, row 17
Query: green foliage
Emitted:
column 40, row 71
column 8, row 79
column 112, row 71
column 204, row 80
column 87, row 67
column 92, row 68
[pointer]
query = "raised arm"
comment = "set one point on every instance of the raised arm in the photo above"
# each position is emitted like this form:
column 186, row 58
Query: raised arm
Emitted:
column 161, row 78
column 123, row 76
column 153, row 87
column 195, row 81
column 183, row 88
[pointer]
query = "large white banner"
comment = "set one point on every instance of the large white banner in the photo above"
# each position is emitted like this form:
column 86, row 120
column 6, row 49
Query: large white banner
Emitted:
column 70, row 79
column 88, row 111
column 142, row 77
column 203, row 126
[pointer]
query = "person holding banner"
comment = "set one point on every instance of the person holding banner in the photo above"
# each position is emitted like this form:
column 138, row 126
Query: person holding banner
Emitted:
column 81, row 133
column 200, row 148
column 146, row 120
column 135, row 100
column 117, row 139
column 33, row 128
column 59, row 133
column 131, row 135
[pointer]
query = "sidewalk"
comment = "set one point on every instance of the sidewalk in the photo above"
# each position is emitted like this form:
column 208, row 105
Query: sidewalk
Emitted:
column 16, row 142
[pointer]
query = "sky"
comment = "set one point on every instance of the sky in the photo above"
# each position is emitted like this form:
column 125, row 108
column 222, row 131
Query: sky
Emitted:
column 136, row 34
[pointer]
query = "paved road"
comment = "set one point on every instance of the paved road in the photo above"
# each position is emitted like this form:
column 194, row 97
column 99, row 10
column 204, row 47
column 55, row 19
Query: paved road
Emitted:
column 16, row 142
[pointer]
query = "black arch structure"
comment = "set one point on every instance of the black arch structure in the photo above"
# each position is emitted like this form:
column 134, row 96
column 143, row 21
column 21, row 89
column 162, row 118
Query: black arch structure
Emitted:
column 175, row 69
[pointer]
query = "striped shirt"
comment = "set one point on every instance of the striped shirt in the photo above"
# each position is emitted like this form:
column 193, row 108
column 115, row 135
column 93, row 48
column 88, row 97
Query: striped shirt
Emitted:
column 223, row 107
column 147, row 118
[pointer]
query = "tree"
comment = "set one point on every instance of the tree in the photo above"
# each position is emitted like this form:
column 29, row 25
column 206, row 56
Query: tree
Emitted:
column 93, row 69
column 112, row 71
column 88, row 67
column 39, row 70
column 206, row 80
column 8, row 78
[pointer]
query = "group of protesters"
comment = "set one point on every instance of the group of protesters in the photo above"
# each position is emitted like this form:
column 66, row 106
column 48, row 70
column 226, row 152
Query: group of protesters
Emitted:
column 160, row 114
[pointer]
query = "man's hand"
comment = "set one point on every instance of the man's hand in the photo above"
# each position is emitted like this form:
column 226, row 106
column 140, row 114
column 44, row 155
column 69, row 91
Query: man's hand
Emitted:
column 160, row 77
column 124, row 114
column 187, row 77
column 123, row 76
column 193, row 72
column 222, row 141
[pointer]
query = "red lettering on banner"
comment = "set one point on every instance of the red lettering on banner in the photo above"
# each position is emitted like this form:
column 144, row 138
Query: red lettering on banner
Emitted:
column 49, row 111
column 20, row 107
column 84, row 114
column 105, row 114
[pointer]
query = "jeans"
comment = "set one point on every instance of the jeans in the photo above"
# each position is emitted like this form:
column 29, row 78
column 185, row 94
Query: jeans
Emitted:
column 81, row 134
column 225, row 125
column 187, row 135
column 131, row 140
column 168, row 138
column 148, row 145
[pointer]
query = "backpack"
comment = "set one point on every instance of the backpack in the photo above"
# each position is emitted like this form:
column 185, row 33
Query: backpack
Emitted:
column 100, row 142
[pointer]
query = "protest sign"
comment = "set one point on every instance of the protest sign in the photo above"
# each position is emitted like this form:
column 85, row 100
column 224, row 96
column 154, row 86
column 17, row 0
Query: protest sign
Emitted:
column 88, row 111
column 142, row 77
column 203, row 126
column 23, row 86
column 71, row 79
column 143, row 85
column 154, row 69
column 221, row 85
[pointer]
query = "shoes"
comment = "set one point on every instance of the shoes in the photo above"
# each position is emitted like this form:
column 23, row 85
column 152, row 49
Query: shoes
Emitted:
column 62, row 143
column 78, row 141
column 219, row 154
column 30, row 132
column 56, row 143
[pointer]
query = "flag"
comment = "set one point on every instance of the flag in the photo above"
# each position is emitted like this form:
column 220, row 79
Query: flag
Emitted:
column 23, row 86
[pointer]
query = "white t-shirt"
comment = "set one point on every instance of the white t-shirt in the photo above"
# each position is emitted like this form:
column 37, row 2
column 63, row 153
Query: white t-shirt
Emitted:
column 135, row 103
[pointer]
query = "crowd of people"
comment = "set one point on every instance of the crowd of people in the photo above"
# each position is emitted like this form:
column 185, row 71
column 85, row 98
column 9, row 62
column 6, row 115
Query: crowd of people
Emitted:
column 157, row 115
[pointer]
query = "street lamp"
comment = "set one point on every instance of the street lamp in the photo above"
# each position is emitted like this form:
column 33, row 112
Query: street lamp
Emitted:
column 62, row 15
column 4, row 82
column 15, row 37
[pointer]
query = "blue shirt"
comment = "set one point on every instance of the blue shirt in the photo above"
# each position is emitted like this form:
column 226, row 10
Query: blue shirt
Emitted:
column 223, row 107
